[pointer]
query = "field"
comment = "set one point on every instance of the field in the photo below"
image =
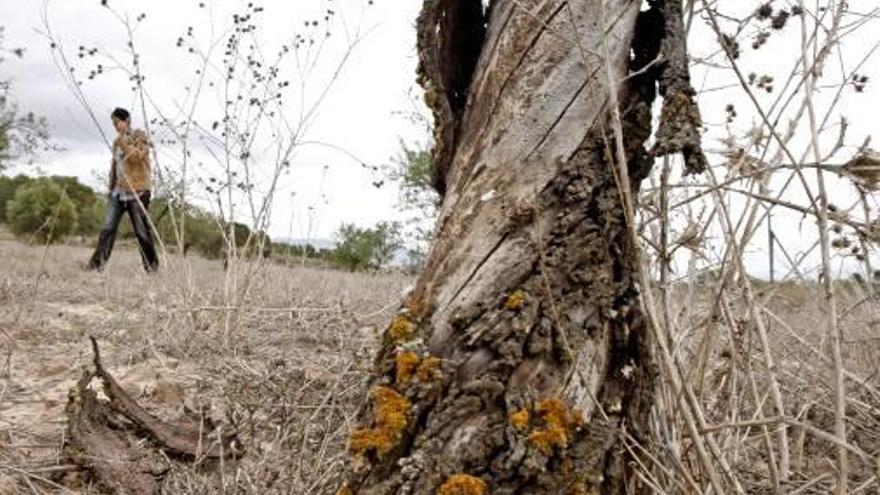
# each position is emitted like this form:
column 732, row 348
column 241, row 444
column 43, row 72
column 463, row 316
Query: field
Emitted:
column 280, row 355
column 287, row 371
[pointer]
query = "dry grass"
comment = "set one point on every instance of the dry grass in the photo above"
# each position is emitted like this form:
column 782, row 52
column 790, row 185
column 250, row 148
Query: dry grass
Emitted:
column 287, row 372
column 288, row 376
column 724, row 365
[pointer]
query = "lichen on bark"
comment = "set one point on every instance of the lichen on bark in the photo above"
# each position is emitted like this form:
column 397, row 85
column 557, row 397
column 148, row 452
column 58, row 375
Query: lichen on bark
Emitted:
column 523, row 362
column 391, row 412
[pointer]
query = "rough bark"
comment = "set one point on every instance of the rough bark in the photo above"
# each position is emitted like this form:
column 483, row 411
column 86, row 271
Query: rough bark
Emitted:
column 116, row 464
column 103, row 436
column 521, row 358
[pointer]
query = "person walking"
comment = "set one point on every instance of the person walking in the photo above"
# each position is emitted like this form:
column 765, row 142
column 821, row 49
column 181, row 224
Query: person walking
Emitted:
column 130, row 185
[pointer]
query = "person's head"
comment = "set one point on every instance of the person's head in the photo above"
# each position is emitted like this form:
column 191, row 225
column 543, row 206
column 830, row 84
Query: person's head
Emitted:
column 121, row 119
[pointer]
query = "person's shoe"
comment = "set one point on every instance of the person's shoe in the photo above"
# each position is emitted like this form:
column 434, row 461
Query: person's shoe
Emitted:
column 90, row 267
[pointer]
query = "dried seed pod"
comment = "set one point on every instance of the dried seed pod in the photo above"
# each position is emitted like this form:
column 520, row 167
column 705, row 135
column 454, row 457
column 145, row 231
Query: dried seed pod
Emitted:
column 864, row 168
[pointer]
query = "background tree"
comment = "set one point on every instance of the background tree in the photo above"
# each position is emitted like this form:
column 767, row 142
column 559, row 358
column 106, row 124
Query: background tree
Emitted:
column 21, row 134
column 411, row 172
column 360, row 248
column 41, row 209
column 89, row 206
column 8, row 186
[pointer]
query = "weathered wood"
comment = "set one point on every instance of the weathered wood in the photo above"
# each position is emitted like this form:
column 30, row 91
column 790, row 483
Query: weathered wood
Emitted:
column 521, row 356
column 102, row 436
column 192, row 439
column 116, row 464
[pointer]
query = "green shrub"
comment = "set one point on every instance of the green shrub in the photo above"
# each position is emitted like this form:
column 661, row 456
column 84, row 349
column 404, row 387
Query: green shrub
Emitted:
column 89, row 206
column 41, row 208
column 8, row 186
column 90, row 218
column 203, row 234
column 366, row 249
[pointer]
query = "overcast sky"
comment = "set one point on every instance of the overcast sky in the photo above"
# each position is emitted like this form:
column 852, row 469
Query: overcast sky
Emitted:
column 358, row 119
column 326, row 185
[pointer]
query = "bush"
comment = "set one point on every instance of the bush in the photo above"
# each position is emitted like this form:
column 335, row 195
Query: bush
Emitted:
column 89, row 206
column 8, row 186
column 90, row 218
column 203, row 234
column 363, row 249
column 39, row 203
column 43, row 209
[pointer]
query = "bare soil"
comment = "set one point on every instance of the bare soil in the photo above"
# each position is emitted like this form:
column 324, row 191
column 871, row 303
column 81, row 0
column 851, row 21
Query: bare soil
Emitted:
column 280, row 355
column 282, row 364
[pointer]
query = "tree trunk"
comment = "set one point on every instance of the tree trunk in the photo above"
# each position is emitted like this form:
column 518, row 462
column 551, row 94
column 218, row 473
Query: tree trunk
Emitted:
column 520, row 362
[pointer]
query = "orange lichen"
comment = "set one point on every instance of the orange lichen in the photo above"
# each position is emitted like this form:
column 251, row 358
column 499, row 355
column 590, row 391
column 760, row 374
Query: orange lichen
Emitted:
column 463, row 484
column 407, row 364
column 577, row 419
column 416, row 306
column 579, row 489
column 519, row 419
column 345, row 490
column 429, row 369
column 515, row 301
column 391, row 410
column 558, row 423
column 401, row 329
column 364, row 439
column 552, row 435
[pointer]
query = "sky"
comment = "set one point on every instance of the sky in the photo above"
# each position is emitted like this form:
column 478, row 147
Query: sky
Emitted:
column 358, row 125
column 856, row 50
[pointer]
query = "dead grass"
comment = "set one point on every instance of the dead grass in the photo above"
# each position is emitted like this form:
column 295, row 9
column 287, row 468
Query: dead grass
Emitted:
column 288, row 376
column 722, row 358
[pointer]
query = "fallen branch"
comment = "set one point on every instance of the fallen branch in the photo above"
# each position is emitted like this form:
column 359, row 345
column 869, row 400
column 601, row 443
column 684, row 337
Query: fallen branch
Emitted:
column 104, row 436
column 116, row 463
column 187, row 439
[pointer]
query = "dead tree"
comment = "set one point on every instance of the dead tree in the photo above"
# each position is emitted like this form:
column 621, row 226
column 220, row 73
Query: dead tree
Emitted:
column 522, row 362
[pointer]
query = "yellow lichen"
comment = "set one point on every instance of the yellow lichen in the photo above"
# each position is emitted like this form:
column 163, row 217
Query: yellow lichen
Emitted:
column 407, row 364
column 364, row 439
column 519, row 419
column 580, row 488
column 429, row 369
column 416, row 306
column 577, row 418
column 391, row 410
column 345, row 490
column 401, row 329
column 557, row 425
column 515, row 301
column 410, row 365
column 463, row 484
column 552, row 435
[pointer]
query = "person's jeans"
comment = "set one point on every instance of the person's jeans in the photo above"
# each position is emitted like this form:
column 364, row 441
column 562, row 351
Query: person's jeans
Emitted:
column 141, row 225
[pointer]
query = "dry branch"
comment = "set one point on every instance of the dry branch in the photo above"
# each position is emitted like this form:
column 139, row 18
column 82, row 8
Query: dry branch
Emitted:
column 117, row 465
column 187, row 439
column 103, row 437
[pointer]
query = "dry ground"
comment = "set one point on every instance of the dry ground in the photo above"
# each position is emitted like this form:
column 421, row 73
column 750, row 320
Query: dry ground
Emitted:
column 286, row 370
column 285, row 365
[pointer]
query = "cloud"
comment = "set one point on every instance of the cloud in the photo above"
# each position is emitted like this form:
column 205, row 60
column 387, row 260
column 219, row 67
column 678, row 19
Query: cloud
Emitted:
column 357, row 116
